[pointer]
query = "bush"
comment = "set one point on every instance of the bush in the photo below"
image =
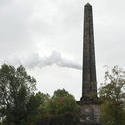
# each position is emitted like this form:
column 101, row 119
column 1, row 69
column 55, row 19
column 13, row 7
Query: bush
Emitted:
column 64, row 119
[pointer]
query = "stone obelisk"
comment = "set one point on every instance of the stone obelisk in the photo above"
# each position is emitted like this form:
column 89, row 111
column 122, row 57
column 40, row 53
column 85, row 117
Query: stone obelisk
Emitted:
column 90, row 107
column 89, row 84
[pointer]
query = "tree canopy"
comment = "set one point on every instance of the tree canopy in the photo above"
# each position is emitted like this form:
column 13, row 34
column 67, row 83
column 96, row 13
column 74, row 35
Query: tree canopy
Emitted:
column 16, row 88
column 112, row 94
column 62, row 102
column 20, row 105
column 60, row 109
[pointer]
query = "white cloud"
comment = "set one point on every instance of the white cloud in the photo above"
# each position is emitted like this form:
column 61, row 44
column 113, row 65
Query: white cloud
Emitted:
column 35, row 61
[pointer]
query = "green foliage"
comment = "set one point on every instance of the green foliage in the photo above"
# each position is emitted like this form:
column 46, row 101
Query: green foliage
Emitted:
column 19, row 105
column 62, row 102
column 41, row 107
column 60, row 93
column 61, row 109
column 62, row 119
column 37, row 107
column 112, row 93
column 16, row 88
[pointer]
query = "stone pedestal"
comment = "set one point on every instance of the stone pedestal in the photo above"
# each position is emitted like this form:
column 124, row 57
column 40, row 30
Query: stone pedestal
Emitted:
column 90, row 113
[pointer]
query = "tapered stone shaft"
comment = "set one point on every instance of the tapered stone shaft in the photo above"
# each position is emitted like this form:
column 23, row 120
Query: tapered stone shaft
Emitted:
column 89, row 83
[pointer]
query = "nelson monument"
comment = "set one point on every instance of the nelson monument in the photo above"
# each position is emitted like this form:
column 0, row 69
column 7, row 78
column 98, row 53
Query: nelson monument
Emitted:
column 89, row 104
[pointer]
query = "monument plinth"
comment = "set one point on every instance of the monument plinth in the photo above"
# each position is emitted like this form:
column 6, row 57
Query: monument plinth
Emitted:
column 89, row 104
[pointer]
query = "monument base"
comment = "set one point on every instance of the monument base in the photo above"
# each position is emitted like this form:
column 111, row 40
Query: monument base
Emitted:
column 90, row 112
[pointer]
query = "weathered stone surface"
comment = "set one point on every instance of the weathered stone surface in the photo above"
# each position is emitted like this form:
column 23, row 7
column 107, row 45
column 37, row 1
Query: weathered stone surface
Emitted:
column 89, row 104
column 90, row 113
column 89, row 84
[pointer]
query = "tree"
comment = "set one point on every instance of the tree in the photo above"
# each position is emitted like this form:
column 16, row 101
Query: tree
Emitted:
column 16, row 88
column 19, row 105
column 112, row 93
column 62, row 102
column 60, row 109
column 36, row 107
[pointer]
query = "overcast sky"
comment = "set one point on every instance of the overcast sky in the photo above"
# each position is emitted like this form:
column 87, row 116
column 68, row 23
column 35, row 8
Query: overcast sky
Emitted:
column 46, row 36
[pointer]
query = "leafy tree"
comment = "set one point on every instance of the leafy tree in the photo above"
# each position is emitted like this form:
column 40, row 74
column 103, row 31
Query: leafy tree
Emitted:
column 16, row 88
column 60, row 93
column 112, row 93
column 62, row 102
column 60, row 109
column 45, row 98
column 36, row 107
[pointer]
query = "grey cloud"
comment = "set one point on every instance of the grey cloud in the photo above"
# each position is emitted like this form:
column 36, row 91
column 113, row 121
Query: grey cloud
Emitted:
column 55, row 58
column 35, row 61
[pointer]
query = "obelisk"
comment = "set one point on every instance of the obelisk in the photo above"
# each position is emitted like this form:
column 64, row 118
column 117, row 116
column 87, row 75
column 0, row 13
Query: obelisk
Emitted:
column 89, row 104
column 89, row 83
